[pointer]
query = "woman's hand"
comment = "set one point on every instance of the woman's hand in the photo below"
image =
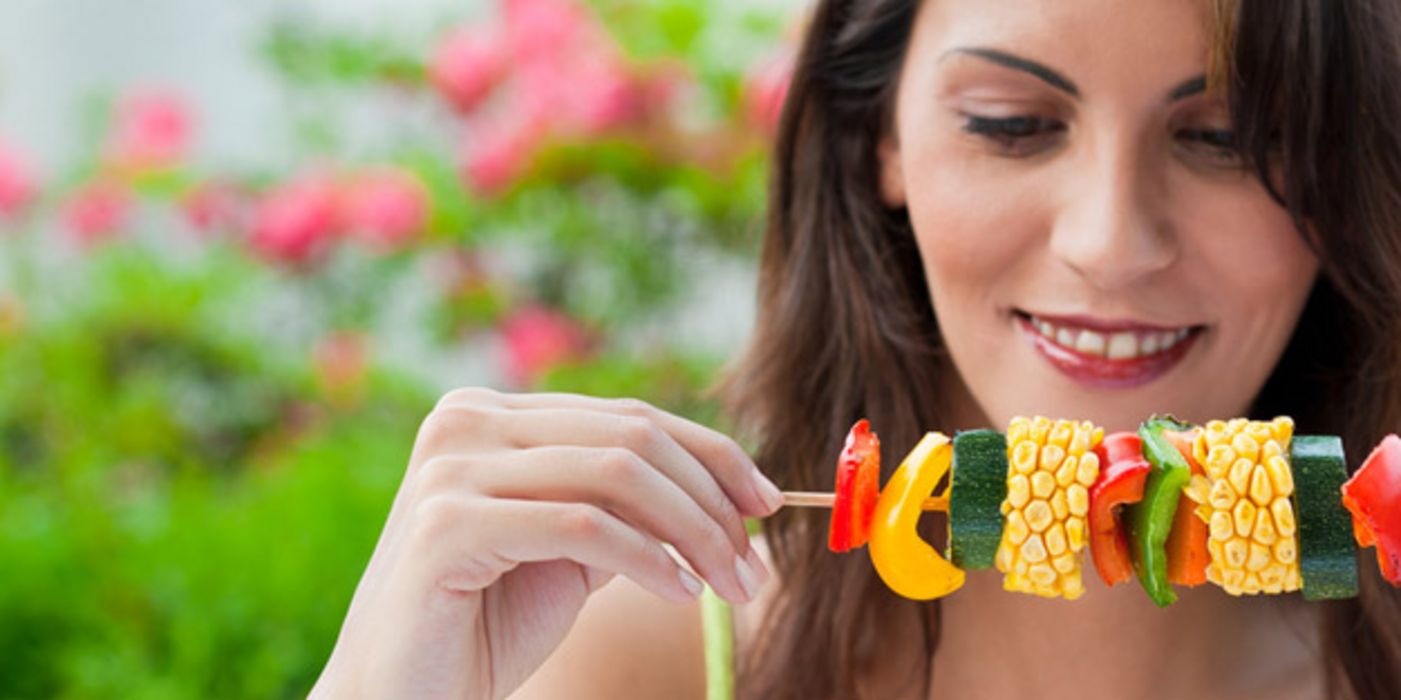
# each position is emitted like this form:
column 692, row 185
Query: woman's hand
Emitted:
column 513, row 509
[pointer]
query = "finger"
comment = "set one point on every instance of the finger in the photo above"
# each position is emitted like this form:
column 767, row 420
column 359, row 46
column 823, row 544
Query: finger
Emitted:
column 620, row 482
column 569, row 426
column 476, row 540
column 736, row 472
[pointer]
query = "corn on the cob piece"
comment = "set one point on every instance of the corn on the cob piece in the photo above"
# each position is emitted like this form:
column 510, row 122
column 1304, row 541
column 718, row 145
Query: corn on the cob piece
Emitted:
column 1245, row 499
column 1050, row 468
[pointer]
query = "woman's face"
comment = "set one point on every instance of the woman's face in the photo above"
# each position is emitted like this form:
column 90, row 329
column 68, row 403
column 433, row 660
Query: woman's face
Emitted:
column 1092, row 249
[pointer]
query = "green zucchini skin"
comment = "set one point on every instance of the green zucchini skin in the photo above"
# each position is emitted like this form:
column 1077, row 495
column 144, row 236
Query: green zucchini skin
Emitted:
column 1327, row 553
column 978, row 487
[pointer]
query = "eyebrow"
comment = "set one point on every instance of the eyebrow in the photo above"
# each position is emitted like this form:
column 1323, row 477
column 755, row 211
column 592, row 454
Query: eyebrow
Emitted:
column 1055, row 79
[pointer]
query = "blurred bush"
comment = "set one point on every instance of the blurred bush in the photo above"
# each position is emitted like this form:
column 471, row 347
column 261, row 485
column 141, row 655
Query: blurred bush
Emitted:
column 202, row 415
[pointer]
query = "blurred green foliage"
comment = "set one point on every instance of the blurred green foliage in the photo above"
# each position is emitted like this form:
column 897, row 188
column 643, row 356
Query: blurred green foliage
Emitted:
column 187, row 495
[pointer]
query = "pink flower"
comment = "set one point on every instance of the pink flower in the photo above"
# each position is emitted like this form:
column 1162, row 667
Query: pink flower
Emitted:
column 214, row 206
column 587, row 95
column 766, row 88
column 537, row 339
column 150, row 132
column 97, row 211
column 537, row 29
column 17, row 187
column 296, row 221
column 387, row 207
column 498, row 153
column 467, row 64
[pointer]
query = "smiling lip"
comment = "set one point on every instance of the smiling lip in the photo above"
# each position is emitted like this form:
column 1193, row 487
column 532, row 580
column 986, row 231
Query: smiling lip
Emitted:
column 1096, row 369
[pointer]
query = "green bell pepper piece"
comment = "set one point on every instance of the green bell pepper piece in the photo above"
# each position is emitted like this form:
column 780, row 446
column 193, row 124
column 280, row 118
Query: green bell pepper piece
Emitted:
column 1150, row 520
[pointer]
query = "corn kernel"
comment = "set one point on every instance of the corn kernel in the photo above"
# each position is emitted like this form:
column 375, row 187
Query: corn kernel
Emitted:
column 1240, row 475
column 1051, row 457
column 1285, row 551
column 1222, row 496
column 1075, row 534
column 1237, row 551
column 1219, row 460
column 1284, row 517
column 1096, row 435
column 1073, row 584
column 1038, row 515
column 1034, row 549
column 1271, row 449
column 1088, row 470
column 1259, row 557
column 1016, row 530
column 1199, row 447
column 1246, row 447
column 1216, row 426
column 1080, row 443
column 1017, row 430
column 1252, row 584
column 1280, row 475
column 1064, row 563
column 1258, row 432
column 1024, row 457
column 1065, row 474
column 1055, row 540
column 1042, row 575
column 1282, row 429
column 1018, row 490
column 1059, row 507
column 1264, row 532
column 1221, row 527
column 1040, row 426
column 1244, row 516
column 1061, row 432
column 1197, row 489
column 1078, row 498
column 1260, row 490
column 1004, row 558
column 1042, row 485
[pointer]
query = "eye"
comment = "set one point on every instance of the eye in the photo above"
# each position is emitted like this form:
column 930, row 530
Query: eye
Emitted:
column 1217, row 145
column 1019, row 135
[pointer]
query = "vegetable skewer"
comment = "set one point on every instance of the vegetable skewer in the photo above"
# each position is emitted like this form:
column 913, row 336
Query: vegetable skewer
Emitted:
column 1245, row 505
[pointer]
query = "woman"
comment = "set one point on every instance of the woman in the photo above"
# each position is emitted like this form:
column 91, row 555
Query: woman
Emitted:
column 975, row 206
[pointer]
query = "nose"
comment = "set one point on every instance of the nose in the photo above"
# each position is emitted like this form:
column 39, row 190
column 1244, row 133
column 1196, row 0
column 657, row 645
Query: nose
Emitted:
column 1112, row 232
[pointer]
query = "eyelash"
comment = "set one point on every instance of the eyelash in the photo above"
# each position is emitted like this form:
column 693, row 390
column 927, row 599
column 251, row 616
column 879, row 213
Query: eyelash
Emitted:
column 1015, row 136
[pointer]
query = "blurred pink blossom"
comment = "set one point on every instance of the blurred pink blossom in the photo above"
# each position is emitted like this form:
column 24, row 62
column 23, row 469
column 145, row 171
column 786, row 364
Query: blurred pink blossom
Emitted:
column 498, row 152
column 17, row 181
column 387, row 207
column 766, row 88
column 547, row 29
column 537, row 339
column 467, row 64
column 97, row 211
column 588, row 95
column 213, row 205
column 151, row 131
column 296, row 221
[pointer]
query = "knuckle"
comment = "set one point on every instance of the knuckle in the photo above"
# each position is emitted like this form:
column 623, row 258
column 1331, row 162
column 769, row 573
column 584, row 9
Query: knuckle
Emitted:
column 639, row 433
column 441, row 473
column 620, row 466
column 438, row 516
column 450, row 421
column 634, row 407
column 469, row 395
column 583, row 521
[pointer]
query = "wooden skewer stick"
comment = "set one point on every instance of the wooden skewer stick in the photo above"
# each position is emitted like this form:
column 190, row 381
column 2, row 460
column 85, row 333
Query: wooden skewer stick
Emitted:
column 819, row 499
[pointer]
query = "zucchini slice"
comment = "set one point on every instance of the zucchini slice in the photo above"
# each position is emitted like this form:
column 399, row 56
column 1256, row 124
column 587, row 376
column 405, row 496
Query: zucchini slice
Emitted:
column 978, row 487
column 1327, row 554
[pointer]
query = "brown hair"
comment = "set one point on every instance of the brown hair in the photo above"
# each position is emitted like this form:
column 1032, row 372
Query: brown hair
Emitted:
column 845, row 327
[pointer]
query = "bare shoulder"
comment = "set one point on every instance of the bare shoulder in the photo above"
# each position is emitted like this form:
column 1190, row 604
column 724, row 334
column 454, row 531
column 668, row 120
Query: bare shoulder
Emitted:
column 627, row 642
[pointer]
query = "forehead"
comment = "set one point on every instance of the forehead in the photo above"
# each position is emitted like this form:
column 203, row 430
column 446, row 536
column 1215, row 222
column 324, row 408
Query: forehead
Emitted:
column 1100, row 44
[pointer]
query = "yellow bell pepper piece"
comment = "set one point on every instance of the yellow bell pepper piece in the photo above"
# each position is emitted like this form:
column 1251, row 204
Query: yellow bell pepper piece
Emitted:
column 908, row 564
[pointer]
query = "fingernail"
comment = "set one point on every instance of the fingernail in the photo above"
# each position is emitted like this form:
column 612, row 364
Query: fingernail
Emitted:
column 746, row 578
column 690, row 582
column 768, row 494
column 757, row 565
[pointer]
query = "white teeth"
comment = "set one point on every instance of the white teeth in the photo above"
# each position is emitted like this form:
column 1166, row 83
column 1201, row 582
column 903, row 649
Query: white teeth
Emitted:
column 1122, row 346
column 1149, row 344
column 1090, row 342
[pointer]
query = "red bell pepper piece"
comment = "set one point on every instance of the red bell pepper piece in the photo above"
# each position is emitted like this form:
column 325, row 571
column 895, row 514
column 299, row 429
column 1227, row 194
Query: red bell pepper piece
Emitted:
column 1188, row 556
column 857, row 489
column 1122, row 475
column 1373, row 496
